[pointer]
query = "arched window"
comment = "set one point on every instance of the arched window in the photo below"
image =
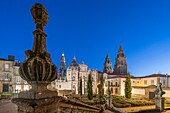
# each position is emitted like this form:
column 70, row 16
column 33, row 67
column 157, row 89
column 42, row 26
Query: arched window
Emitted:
column 111, row 90
column 116, row 84
column 116, row 91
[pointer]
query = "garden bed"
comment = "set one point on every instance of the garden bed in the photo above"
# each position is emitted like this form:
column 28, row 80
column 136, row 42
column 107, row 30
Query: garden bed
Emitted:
column 120, row 101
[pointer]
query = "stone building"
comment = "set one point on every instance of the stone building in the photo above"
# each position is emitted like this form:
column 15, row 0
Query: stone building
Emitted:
column 10, row 81
column 143, row 86
column 74, row 73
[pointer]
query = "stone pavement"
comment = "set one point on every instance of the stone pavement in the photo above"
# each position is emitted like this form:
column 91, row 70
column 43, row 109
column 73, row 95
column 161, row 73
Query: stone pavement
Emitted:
column 6, row 106
column 134, row 109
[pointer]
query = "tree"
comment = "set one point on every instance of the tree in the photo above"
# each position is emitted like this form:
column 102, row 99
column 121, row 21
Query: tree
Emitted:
column 80, row 89
column 102, row 83
column 89, row 88
column 128, row 87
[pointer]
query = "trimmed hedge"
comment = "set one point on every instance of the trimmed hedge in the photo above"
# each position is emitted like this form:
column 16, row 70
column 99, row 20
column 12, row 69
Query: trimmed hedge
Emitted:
column 5, row 96
column 119, row 101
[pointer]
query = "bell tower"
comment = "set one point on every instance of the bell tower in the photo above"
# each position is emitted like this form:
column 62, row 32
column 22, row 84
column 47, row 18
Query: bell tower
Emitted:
column 120, row 66
column 107, row 65
column 62, row 71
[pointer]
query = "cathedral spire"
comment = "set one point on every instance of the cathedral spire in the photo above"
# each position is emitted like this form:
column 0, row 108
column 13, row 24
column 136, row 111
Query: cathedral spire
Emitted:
column 62, row 71
column 120, row 66
column 120, row 51
column 107, row 65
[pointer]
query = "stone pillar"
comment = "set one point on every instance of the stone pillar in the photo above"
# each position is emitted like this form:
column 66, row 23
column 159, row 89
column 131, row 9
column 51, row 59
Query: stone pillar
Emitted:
column 38, row 71
column 159, row 104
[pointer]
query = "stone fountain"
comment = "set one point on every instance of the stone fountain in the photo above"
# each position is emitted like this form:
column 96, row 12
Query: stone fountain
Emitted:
column 39, row 71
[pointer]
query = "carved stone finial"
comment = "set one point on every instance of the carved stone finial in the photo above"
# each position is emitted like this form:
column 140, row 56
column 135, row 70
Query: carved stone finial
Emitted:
column 37, row 69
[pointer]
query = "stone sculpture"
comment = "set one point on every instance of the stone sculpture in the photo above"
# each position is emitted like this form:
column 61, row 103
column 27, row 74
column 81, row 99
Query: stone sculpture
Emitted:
column 109, row 104
column 159, row 92
column 159, row 100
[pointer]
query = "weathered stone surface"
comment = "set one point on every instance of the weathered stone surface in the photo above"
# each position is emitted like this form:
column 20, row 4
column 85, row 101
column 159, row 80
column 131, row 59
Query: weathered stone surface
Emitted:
column 53, row 105
column 38, row 91
column 159, row 104
column 159, row 100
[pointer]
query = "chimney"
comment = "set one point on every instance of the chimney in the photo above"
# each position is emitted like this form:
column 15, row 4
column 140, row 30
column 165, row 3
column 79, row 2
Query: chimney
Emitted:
column 11, row 58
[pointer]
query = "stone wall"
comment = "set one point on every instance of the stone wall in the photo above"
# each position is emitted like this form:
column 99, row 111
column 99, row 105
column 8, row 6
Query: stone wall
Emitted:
column 140, row 91
column 144, row 91
column 56, row 104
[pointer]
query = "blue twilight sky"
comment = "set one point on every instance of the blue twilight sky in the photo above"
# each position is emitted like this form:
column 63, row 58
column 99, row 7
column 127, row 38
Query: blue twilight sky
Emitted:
column 89, row 29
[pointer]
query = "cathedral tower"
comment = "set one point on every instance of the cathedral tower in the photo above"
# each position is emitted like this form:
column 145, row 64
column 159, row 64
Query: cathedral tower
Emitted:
column 107, row 65
column 120, row 66
column 62, row 71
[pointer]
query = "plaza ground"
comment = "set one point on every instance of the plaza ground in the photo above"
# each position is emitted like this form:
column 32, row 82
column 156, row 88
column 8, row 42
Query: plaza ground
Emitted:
column 6, row 106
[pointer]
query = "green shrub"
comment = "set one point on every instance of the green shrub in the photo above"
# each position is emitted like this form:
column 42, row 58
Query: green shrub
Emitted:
column 5, row 96
column 119, row 105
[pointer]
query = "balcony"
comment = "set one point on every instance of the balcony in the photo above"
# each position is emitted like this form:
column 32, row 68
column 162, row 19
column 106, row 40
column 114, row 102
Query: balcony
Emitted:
column 6, row 80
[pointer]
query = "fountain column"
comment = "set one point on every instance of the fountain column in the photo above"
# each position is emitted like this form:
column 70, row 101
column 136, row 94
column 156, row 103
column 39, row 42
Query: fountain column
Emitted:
column 38, row 70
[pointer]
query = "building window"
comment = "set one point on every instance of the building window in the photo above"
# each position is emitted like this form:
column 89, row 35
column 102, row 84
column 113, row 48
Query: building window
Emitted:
column 116, row 91
column 18, row 79
column 5, row 87
column 111, row 83
column 59, row 86
column 145, row 82
column 133, row 81
column 92, row 79
column 152, row 82
column 116, row 84
column 6, row 67
column 73, row 78
column 111, row 90
column 6, row 77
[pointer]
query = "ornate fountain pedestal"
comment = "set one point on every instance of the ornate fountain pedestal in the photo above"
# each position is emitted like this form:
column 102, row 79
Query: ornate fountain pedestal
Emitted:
column 38, row 91
column 39, row 71
column 45, row 105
